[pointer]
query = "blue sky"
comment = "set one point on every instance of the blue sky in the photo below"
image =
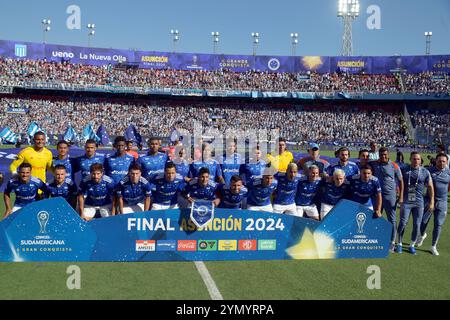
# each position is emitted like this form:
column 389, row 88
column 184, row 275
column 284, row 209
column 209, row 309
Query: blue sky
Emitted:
column 145, row 25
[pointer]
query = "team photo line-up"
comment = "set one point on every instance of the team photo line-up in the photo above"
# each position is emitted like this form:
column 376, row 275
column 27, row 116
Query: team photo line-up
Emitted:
column 125, row 182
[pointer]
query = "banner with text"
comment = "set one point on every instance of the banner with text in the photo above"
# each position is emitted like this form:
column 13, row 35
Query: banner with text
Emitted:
column 50, row 230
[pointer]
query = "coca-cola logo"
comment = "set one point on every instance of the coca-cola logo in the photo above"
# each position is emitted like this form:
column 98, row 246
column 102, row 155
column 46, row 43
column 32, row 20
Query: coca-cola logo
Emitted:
column 187, row 245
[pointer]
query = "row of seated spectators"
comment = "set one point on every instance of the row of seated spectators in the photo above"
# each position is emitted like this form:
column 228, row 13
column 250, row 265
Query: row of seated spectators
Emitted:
column 322, row 123
column 20, row 71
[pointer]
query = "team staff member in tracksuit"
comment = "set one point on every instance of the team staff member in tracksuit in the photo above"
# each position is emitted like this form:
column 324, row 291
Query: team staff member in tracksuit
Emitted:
column 389, row 174
column 441, row 180
column 415, row 179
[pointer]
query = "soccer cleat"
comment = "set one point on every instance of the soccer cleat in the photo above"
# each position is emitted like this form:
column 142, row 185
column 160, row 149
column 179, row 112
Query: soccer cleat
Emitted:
column 399, row 248
column 412, row 249
column 392, row 248
column 420, row 240
column 434, row 251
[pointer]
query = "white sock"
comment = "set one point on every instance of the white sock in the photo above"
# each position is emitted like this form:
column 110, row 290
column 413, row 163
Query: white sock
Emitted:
column 412, row 244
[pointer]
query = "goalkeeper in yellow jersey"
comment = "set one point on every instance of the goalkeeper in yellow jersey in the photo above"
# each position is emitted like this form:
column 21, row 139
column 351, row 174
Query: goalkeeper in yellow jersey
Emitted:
column 38, row 156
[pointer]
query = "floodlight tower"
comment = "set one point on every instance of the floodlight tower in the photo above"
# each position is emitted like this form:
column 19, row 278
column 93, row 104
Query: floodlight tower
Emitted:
column 175, row 38
column 46, row 28
column 349, row 11
column 91, row 29
column 428, row 36
column 215, row 36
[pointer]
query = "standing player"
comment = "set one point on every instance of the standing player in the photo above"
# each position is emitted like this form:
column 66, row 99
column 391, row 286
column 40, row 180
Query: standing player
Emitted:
column 117, row 165
column 441, row 180
column 307, row 189
column 98, row 190
column 232, row 162
column 389, row 175
column 166, row 187
column 363, row 157
column 24, row 186
column 201, row 188
column 286, row 191
column 181, row 164
column 333, row 191
column 38, row 156
column 255, row 166
column 154, row 162
column 365, row 188
column 350, row 168
column 84, row 162
column 260, row 190
column 313, row 159
column 63, row 158
column 415, row 179
column 281, row 161
column 133, row 192
column 233, row 195
column 62, row 186
column 213, row 166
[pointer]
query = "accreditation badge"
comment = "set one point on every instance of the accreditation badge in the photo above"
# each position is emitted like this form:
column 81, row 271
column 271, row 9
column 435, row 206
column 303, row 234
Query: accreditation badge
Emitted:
column 411, row 193
column 202, row 212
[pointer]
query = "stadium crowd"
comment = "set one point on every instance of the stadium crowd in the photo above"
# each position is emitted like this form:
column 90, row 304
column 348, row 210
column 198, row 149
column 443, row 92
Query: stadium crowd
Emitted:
column 435, row 123
column 321, row 124
column 20, row 71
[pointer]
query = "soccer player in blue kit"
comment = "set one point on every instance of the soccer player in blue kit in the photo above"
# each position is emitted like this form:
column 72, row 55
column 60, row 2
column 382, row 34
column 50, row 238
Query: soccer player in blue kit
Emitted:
column 350, row 168
column 154, row 162
column 117, row 165
column 233, row 195
column 365, row 188
column 232, row 162
column 98, row 190
column 133, row 192
column 440, row 174
column 201, row 188
column 307, row 190
column 286, row 190
column 254, row 168
column 62, row 186
column 166, row 187
column 24, row 186
column 260, row 190
column 333, row 191
column 214, row 168
column 63, row 158
column 84, row 162
column 415, row 179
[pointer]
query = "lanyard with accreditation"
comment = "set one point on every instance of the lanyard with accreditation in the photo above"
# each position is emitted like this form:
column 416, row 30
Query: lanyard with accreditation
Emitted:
column 412, row 188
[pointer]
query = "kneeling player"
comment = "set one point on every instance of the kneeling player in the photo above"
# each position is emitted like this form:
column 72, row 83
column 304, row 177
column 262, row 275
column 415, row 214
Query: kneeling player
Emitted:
column 333, row 191
column 133, row 192
column 24, row 186
column 166, row 187
column 260, row 191
column 62, row 186
column 233, row 195
column 287, row 188
column 307, row 189
column 95, row 194
column 201, row 188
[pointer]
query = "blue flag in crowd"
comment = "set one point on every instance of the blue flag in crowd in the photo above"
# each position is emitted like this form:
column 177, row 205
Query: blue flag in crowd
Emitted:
column 88, row 133
column 33, row 128
column 103, row 135
column 132, row 134
column 8, row 136
column 71, row 135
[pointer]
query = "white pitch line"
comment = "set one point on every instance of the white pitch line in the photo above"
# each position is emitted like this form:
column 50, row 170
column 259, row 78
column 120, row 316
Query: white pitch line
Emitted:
column 214, row 292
